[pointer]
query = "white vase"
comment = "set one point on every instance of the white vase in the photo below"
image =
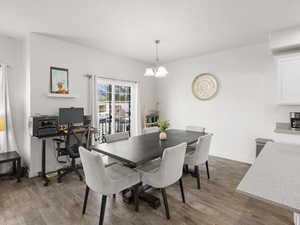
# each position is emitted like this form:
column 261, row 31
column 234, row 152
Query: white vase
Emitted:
column 163, row 135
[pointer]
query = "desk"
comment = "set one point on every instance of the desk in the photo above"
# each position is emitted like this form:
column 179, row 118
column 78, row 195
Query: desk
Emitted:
column 76, row 130
column 42, row 174
column 143, row 148
column 275, row 177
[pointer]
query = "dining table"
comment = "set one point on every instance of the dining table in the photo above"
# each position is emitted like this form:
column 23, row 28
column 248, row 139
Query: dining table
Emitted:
column 140, row 149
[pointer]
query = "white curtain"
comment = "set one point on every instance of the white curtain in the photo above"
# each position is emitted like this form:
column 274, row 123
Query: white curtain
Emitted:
column 91, row 101
column 7, row 137
column 137, row 109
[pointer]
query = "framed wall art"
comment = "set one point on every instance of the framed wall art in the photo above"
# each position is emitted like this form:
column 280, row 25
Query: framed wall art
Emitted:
column 59, row 80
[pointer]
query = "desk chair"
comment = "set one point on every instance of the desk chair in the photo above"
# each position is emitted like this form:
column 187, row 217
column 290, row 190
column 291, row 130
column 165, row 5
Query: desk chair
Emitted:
column 72, row 140
column 199, row 156
column 149, row 130
column 165, row 172
column 106, row 180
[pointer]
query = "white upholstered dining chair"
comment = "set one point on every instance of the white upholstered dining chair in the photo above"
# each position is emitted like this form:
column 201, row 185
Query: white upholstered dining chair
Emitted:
column 106, row 180
column 165, row 172
column 195, row 128
column 199, row 156
column 109, row 138
column 149, row 130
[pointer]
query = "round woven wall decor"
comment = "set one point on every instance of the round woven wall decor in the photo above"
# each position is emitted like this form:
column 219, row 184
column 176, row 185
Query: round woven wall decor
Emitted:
column 205, row 86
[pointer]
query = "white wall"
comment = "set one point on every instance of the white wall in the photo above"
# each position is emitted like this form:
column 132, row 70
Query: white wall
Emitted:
column 46, row 52
column 244, row 108
column 11, row 54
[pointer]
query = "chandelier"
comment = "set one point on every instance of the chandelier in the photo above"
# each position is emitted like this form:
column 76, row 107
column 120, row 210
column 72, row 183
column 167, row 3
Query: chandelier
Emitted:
column 157, row 70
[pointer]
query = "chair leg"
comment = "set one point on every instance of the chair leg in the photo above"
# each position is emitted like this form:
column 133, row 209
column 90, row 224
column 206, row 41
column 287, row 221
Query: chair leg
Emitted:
column 102, row 212
column 87, row 190
column 136, row 197
column 207, row 169
column 182, row 190
column 186, row 168
column 197, row 176
column 78, row 174
column 163, row 191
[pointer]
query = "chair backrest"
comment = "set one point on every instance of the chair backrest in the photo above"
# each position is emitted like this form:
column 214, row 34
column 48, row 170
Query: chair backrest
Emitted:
column 195, row 128
column 75, row 137
column 109, row 138
column 202, row 149
column 95, row 174
column 171, row 165
column 149, row 130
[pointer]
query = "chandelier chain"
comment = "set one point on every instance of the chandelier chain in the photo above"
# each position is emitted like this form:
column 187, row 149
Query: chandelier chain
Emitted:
column 157, row 58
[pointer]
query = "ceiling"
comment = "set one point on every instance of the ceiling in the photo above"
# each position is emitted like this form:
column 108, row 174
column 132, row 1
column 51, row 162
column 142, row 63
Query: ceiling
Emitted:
column 129, row 27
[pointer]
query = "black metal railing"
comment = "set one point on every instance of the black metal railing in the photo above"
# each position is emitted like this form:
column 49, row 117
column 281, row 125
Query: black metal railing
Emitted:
column 105, row 125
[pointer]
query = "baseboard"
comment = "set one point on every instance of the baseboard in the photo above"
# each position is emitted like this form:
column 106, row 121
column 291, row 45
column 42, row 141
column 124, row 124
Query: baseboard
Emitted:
column 232, row 159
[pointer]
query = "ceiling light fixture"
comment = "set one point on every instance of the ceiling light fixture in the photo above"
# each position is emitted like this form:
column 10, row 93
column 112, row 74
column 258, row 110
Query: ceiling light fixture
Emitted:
column 157, row 70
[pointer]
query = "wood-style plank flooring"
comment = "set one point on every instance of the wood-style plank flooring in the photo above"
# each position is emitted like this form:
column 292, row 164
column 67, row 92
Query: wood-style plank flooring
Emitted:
column 217, row 203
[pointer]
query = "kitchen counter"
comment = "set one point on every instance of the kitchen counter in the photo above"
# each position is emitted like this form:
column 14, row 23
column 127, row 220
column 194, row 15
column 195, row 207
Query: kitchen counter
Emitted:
column 274, row 177
column 285, row 128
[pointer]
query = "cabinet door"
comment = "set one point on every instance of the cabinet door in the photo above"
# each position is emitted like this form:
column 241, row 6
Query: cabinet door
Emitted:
column 289, row 79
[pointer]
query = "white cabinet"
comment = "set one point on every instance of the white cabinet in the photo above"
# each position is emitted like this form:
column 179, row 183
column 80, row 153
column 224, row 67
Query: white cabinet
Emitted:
column 288, row 69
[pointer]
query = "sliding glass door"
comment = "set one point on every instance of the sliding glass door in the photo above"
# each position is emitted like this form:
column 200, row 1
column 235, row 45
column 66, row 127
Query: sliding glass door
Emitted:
column 122, row 104
column 104, row 107
column 115, row 102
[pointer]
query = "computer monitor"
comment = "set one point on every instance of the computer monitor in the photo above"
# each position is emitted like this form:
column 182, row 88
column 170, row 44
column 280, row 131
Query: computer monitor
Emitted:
column 71, row 115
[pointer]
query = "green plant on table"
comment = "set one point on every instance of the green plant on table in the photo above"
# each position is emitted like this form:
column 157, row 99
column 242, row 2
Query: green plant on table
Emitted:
column 163, row 125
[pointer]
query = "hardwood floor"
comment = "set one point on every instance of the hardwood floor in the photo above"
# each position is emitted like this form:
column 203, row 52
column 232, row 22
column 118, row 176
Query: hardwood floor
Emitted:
column 217, row 203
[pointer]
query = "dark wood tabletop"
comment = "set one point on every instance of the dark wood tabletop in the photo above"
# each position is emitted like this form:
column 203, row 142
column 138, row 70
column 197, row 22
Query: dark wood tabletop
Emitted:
column 140, row 149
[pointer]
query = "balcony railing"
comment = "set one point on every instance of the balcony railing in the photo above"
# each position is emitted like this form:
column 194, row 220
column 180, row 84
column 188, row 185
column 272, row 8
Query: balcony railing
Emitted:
column 105, row 125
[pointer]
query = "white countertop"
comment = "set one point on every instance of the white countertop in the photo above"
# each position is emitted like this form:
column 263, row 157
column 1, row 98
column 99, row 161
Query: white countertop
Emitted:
column 285, row 128
column 275, row 176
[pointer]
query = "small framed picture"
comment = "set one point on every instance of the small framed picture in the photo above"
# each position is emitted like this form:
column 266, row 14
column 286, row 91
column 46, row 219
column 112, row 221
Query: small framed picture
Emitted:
column 59, row 80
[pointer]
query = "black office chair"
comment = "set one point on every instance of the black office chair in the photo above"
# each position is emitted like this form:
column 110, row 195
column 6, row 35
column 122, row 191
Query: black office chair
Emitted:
column 75, row 137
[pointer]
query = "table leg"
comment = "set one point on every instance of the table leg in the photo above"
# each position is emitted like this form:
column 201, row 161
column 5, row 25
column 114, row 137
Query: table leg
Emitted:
column 43, row 172
column 14, row 168
column 296, row 218
column 144, row 195
column 19, row 169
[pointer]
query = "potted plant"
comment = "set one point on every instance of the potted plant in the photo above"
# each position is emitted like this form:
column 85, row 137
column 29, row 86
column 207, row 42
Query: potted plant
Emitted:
column 163, row 125
column 148, row 118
